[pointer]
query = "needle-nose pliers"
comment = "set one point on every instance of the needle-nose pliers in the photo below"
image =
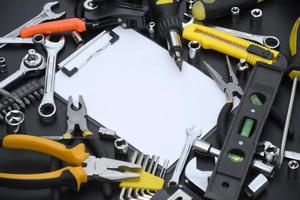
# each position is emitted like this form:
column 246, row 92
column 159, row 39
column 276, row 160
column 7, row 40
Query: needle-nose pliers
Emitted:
column 230, row 89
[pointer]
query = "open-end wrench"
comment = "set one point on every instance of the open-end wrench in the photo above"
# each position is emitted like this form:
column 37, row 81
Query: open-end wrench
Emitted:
column 271, row 42
column 37, row 39
column 196, row 176
column 47, row 108
column 45, row 15
column 192, row 135
column 31, row 64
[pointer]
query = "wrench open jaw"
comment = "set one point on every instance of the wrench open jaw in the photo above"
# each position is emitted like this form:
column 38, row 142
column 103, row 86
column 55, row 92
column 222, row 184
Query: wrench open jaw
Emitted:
column 47, row 10
column 45, row 15
column 196, row 176
column 47, row 108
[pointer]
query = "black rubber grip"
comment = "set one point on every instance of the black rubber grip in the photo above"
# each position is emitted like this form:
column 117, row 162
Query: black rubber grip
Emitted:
column 55, row 164
column 166, row 16
column 295, row 60
column 222, row 122
column 254, row 49
column 220, row 8
column 167, row 24
column 66, row 179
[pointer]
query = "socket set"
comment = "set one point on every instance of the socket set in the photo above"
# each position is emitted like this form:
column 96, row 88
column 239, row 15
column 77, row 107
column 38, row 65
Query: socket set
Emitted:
column 27, row 93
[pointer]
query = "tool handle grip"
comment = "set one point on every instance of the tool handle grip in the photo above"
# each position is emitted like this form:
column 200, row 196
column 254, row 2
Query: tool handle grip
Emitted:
column 164, row 9
column 202, row 10
column 73, row 156
column 222, row 122
column 294, row 67
column 71, row 177
column 65, row 25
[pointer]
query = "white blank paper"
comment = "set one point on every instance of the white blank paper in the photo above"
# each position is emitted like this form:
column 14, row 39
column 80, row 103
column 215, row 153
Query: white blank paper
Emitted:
column 135, row 88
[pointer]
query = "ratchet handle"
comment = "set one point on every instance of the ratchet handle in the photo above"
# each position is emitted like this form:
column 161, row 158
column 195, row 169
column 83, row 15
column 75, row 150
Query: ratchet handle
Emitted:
column 71, row 177
column 206, row 10
column 73, row 156
column 65, row 25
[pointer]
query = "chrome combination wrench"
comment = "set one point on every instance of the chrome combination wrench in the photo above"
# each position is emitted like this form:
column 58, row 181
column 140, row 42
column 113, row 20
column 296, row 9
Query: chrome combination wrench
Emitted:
column 31, row 64
column 37, row 39
column 47, row 108
column 271, row 42
column 45, row 15
column 192, row 135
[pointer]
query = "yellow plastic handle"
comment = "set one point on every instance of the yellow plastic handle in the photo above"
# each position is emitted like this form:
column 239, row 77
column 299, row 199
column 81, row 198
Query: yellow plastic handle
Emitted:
column 293, row 37
column 73, row 156
column 146, row 181
column 226, row 43
column 71, row 177
column 162, row 2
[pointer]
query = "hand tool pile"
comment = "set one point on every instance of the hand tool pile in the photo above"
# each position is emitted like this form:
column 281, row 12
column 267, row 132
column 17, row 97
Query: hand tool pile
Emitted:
column 244, row 162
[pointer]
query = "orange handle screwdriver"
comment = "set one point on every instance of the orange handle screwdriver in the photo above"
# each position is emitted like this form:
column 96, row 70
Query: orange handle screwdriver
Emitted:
column 65, row 25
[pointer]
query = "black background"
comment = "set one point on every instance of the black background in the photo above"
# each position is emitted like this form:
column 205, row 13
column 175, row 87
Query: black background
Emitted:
column 278, row 18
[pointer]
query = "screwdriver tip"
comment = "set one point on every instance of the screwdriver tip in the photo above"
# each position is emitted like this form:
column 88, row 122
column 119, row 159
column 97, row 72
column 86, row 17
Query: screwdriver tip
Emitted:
column 179, row 64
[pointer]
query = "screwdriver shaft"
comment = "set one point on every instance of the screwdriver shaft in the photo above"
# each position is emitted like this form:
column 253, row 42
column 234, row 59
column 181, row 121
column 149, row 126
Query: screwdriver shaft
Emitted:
column 287, row 121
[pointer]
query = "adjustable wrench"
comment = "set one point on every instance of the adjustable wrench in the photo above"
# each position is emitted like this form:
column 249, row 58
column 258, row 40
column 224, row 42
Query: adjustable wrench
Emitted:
column 271, row 42
column 45, row 15
column 192, row 135
column 32, row 63
column 47, row 108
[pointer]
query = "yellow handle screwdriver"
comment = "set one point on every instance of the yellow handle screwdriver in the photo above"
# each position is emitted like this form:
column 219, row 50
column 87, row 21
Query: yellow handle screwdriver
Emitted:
column 294, row 73
column 169, row 26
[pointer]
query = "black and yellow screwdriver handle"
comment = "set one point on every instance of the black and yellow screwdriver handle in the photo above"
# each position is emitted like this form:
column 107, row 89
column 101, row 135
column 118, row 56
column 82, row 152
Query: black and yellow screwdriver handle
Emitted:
column 210, row 9
column 72, row 176
column 166, row 15
column 294, row 67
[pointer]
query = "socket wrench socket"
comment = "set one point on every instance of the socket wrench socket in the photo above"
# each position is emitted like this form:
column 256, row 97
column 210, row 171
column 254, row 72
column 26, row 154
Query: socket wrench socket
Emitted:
column 257, row 186
column 235, row 14
column 121, row 146
column 3, row 66
column 242, row 69
column 107, row 133
column 77, row 39
column 194, row 51
column 293, row 167
column 14, row 121
column 256, row 17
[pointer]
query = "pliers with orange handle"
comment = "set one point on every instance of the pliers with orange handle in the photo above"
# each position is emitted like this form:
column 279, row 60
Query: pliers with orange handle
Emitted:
column 82, row 166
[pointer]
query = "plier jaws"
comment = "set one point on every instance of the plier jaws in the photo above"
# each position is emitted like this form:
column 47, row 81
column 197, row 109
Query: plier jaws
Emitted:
column 232, row 87
column 76, row 118
column 110, row 169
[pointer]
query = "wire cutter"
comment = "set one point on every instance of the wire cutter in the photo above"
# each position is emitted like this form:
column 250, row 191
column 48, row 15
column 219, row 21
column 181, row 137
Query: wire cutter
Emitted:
column 82, row 166
column 76, row 118
column 230, row 89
